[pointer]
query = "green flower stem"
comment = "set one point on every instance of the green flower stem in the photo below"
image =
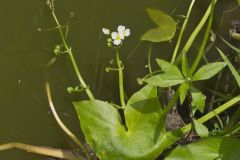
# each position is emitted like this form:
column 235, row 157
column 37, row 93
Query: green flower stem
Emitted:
column 181, row 32
column 149, row 59
column 213, row 113
column 205, row 40
column 88, row 91
column 120, row 79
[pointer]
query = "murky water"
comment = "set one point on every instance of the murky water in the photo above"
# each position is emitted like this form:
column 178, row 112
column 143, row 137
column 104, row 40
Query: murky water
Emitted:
column 24, row 52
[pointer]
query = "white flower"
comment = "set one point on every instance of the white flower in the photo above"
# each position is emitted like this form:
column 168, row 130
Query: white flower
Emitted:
column 117, row 37
column 122, row 29
column 106, row 31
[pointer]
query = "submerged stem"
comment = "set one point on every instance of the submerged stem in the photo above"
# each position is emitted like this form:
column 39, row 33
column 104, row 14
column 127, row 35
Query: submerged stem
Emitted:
column 120, row 79
column 82, row 82
column 61, row 124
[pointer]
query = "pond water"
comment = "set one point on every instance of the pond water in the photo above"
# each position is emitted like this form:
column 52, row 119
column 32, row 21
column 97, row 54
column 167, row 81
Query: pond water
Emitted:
column 24, row 52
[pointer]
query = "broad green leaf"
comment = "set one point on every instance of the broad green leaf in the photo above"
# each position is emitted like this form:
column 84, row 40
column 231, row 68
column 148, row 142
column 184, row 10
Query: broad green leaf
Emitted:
column 198, row 101
column 183, row 91
column 144, row 136
column 164, row 80
column 171, row 76
column 231, row 67
column 169, row 68
column 208, row 71
column 224, row 148
column 164, row 31
column 238, row 2
column 201, row 130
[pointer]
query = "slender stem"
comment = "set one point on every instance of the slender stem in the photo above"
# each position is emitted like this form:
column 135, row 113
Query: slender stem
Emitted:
column 88, row 91
column 205, row 40
column 120, row 79
column 149, row 59
column 213, row 113
column 61, row 124
column 47, row 151
column 194, row 35
column 181, row 32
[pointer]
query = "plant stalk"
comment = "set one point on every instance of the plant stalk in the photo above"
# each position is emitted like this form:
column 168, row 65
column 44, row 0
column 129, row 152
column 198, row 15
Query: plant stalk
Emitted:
column 120, row 79
column 194, row 34
column 213, row 113
column 182, row 31
column 205, row 40
column 62, row 125
column 69, row 51
column 149, row 59
column 47, row 151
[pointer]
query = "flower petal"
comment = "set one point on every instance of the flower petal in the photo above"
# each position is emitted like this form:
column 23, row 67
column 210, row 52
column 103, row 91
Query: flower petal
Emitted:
column 114, row 35
column 117, row 42
column 127, row 32
column 121, row 28
column 121, row 35
column 105, row 31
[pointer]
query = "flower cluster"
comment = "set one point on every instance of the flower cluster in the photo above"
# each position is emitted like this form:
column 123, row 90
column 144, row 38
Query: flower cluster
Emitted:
column 116, row 37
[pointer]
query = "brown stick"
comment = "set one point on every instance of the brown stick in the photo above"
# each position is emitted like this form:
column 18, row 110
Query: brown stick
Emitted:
column 47, row 151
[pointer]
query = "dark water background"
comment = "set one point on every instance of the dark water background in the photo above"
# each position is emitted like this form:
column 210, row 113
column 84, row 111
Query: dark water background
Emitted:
column 24, row 114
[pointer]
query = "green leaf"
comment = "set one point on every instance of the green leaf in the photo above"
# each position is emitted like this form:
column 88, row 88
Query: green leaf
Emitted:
column 171, row 76
column 208, row 71
column 198, row 101
column 201, row 130
column 183, row 91
column 169, row 68
column 224, row 148
column 231, row 67
column 143, row 137
column 164, row 80
column 165, row 30
column 238, row 2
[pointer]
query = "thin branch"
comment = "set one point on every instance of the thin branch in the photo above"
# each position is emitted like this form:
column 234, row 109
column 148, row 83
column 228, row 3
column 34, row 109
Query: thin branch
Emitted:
column 47, row 151
column 61, row 124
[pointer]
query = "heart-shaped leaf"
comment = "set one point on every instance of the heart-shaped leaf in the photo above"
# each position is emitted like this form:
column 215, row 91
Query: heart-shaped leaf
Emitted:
column 165, row 30
column 142, row 138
